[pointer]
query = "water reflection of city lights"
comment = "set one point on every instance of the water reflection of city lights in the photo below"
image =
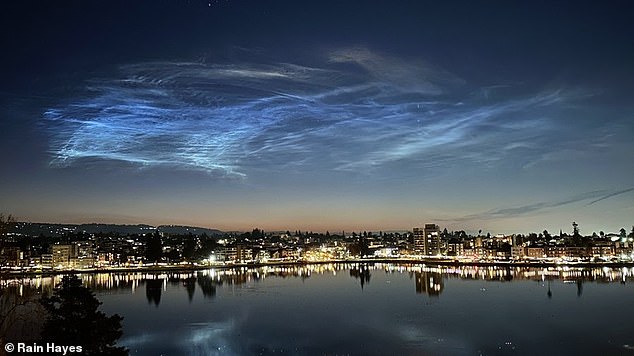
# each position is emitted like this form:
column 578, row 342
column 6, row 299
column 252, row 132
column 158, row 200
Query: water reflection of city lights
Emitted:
column 132, row 280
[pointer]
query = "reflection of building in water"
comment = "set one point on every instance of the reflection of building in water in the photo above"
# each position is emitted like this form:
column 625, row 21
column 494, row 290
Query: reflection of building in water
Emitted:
column 430, row 283
column 362, row 273
column 207, row 281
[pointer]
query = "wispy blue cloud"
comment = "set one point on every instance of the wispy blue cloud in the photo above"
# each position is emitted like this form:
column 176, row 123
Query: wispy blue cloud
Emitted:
column 358, row 111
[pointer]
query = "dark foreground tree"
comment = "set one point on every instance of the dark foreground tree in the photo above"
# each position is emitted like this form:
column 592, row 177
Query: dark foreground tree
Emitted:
column 154, row 248
column 74, row 319
column 5, row 226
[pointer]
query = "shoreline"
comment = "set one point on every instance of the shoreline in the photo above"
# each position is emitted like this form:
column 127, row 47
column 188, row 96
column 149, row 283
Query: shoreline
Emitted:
column 193, row 268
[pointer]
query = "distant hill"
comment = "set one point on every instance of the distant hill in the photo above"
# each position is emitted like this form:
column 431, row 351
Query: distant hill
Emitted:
column 116, row 229
column 184, row 230
column 49, row 229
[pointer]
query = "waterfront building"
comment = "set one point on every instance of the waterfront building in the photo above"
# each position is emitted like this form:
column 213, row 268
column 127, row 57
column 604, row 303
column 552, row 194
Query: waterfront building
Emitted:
column 106, row 258
column 419, row 240
column 469, row 252
column 489, row 252
column 478, row 242
column 262, row 256
column 535, row 252
column 46, row 260
column 455, row 248
column 12, row 256
column 577, row 251
column 625, row 246
column 63, row 254
column 290, row 254
column 386, row 252
column 244, row 254
column 518, row 252
column 566, row 251
column 427, row 240
column 603, row 248
column 432, row 239
column 233, row 254
column 226, row 254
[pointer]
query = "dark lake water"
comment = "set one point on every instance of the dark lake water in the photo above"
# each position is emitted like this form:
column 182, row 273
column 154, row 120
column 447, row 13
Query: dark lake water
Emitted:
column 375, row 309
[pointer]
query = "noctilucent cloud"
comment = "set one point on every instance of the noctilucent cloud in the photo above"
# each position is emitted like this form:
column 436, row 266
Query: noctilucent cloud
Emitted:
column 330, row 117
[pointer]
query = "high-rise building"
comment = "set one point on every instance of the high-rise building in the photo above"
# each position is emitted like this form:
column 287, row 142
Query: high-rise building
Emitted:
column 419, row 240
column 432, row 239
column 427, row 240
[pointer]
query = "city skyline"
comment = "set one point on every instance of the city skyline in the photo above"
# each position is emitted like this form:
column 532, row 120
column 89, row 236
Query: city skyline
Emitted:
column 230, row 115
column 51, row 229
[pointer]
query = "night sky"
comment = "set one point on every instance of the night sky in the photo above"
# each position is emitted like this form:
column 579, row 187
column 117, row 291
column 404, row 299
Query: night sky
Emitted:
column 327, row 115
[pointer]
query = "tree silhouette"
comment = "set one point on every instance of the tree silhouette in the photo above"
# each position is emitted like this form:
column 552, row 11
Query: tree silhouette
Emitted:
column 153, row 288
column 575, row 230
column 207, row 285
column 190, row 286
column 21, row 314
column 189, row 248
column 74, row 319
column 5, row 224
column 154, row 248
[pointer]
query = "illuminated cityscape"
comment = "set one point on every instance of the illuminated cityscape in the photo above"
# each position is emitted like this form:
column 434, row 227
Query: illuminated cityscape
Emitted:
column 78, row 250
